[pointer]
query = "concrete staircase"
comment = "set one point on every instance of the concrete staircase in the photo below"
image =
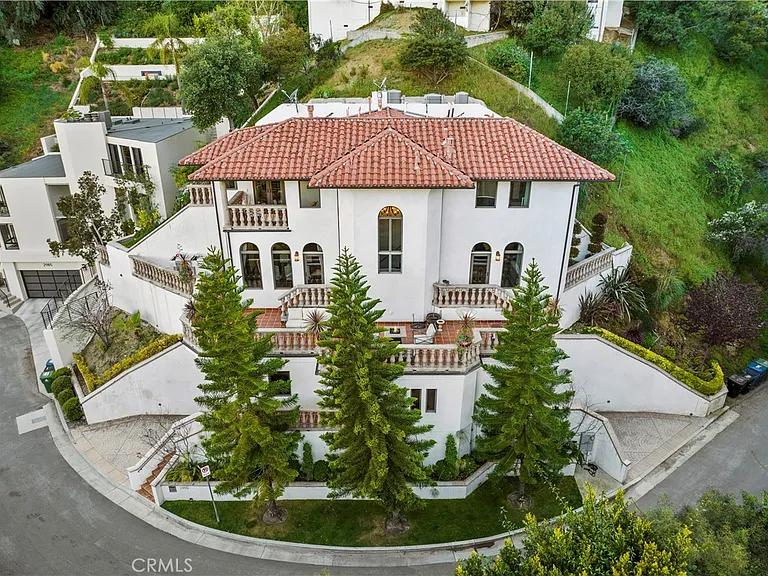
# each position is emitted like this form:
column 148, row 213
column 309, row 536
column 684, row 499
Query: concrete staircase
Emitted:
column 146, row 488
column 11, row 304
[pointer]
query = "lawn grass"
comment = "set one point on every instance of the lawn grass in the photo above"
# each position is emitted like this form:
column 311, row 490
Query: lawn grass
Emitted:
column 31, row 95
column 367, row 64
column 360, row 523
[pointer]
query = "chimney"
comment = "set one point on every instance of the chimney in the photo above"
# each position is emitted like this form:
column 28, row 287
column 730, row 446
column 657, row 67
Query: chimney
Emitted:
column 311, row 110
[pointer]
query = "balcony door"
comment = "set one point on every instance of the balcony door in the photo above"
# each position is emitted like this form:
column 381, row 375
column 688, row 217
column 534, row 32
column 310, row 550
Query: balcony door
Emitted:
column 282, row 271
column 511, row 268
column 480, row 264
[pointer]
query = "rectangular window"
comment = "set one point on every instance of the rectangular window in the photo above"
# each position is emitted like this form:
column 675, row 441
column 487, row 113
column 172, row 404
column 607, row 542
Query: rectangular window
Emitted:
column 282, row 269
column 308, row 197
column 125, row 152
column 63, row 225
column 138, row 161
column 486, row 194
column 431, row 400
column 8, row 235
column 416, row 396
column 3, row 204
column 230, row 184
column 391, row 242
column 115, row 166
column 283, row 380
column 519, row 194
column 269, row 192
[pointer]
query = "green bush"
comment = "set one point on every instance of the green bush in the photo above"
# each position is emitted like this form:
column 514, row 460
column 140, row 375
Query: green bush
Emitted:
column 321, row 471
column 510, row 59
column 599, row 73
column 451, row 455
column 737, row 29
column 72, row 410
column 63, row 371
column 725, row 175
column 307, row 463
column 657, row 96
column 660, row 22
column 555, row 25
column 592, row 135
column 61, row 383
column 706, row 387
column 65, row 395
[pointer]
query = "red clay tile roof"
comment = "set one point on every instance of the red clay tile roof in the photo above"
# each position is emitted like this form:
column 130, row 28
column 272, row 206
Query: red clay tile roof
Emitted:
column 339, row 153
column 223, row 145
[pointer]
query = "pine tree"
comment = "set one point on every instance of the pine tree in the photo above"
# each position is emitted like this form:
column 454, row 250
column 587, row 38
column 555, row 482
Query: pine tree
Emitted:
column 375, row 451
column 248, row 438
column 524, row 412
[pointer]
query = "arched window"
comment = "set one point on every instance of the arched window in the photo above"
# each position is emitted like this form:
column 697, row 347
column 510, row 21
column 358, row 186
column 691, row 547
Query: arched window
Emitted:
column 250, row 265
column 282, row 271
column 480, row 264
column 513, row 262
column 390, row 239
column 313, row 264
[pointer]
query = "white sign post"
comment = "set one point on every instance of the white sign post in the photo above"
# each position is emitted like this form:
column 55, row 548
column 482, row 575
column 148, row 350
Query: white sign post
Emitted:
column 206, row 472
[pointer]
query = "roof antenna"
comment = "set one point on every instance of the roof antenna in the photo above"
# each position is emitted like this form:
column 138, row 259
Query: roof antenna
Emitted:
column 293, row 97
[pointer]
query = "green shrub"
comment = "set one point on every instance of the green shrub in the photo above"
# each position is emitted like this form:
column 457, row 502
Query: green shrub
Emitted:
column 706, row 387
column 510, row 59
column 592, row 135
column 451, row 454
column 321, row 471
column 660, row 22
column 72, row 410
column 63, row 371
column 555, row 25
column 61, row 383
column 599, row 221
column 657, row 96
column 599, row 73
column 307, row 463
column 725, row 175
column 737, row 29
column 435, row 47
column 65, row 395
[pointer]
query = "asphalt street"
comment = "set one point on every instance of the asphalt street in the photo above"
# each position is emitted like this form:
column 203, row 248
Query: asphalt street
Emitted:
column 52, row 522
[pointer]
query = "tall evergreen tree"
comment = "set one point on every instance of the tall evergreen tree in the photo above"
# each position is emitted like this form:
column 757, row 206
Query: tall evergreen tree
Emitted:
column 524, row 412
column 248, row 441
column 375, row 449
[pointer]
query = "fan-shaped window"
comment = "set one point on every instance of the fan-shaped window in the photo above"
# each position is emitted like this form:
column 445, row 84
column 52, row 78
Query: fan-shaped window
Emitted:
column 513, row 262
column 313, row 264
column 480, row 264
column 250, row 265
column 390, row 239
column 282, row 271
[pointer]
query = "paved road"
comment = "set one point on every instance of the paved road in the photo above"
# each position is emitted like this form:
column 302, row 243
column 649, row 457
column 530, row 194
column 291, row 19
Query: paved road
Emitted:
column 53, row 523
column 734, row 461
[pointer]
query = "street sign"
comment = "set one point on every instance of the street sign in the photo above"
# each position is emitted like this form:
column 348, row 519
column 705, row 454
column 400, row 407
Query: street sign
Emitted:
column 205, row 471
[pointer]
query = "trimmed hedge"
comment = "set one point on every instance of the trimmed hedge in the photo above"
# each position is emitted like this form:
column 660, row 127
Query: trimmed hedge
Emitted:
column 60, row 384
column 707, row 387
column 65, row 395
column 72, row 410
column 93, row 380
column 63, row 371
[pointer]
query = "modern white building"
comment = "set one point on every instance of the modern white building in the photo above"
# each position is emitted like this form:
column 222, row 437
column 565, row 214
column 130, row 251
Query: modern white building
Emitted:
column 611, row 22
column 333, row 19
column 96, row 143
column 442, row 201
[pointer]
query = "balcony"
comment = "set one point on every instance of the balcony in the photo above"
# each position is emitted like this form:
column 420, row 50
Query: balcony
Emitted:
column 200, row 194
column 437, row 357
column 469, row 296
column 292, row 341
column 159, row 275
column 588, row 268
column 307, row 296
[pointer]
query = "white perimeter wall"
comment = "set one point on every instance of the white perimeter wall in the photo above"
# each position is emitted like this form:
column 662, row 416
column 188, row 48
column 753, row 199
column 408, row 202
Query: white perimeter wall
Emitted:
column 164, row 384
column 332, row 19
column 606, row 377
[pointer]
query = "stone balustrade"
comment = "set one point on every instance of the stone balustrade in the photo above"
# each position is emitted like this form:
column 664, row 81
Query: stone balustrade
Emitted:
column 200, row 194
column 103, row 255
column 292, row 342
column 469, row 295
column 589, row 268
column 307, row 296
column 258, row 217
column 167, row 278
column 437, row 357
column 308, row 419
column 188, row 333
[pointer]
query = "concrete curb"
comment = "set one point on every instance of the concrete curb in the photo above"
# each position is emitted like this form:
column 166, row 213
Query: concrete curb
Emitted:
column 318, row 555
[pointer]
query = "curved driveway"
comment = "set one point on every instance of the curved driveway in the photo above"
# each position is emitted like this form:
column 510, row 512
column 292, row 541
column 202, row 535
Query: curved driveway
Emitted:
column 52, row 522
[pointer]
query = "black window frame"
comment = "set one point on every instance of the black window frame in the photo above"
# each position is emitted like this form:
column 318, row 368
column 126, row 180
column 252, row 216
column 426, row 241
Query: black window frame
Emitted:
column 525, row 199
column 430, row 398
column 481, row 184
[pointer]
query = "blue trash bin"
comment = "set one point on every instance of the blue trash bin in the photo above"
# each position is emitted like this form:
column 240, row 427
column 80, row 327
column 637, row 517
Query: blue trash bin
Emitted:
column 758, row 369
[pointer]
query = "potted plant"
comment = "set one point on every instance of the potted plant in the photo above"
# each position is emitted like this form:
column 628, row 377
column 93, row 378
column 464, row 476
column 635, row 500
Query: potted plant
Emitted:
column 465, row 336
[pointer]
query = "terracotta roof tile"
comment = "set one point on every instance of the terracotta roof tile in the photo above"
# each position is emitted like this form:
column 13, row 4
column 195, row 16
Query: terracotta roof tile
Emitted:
column 475, row 148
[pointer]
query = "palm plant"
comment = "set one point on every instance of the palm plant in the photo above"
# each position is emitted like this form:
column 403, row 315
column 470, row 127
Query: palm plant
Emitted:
column 621, row 292
column 166, row 29
column 100, row 71
column 315, row 322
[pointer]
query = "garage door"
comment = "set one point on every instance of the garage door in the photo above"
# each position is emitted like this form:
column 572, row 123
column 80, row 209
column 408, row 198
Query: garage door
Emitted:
column 49, row 283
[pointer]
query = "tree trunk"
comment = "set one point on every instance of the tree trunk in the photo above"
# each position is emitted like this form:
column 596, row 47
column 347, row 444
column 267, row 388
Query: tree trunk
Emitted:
column 104, row 95
column 274, row 514
column 396, row 523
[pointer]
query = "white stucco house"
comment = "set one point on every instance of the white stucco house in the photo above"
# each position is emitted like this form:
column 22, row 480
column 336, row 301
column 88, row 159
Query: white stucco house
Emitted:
column 442, row 201
column 611, row 22
column 333, row 19
column 96, row 143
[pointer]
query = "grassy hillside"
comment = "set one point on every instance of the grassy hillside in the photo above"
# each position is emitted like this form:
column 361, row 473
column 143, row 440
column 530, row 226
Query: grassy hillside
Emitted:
column 369, row 63
column 661, row 204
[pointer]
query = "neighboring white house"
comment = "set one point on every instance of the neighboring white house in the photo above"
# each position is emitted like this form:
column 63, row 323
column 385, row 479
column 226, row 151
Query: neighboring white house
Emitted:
column 610, row 22
column 443, row 202
column 333, row 19
column 97, row 143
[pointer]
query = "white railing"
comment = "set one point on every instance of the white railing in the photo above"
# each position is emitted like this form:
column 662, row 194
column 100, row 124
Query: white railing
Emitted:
column 167, row 278
column 307, row 296
column 188, row 333
column 489, row 338
column 292, row 341
column 469, row 295
column 258, row 216
column 588, row 268
column 200, row 194
column 308, row 419
column 437, row 357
